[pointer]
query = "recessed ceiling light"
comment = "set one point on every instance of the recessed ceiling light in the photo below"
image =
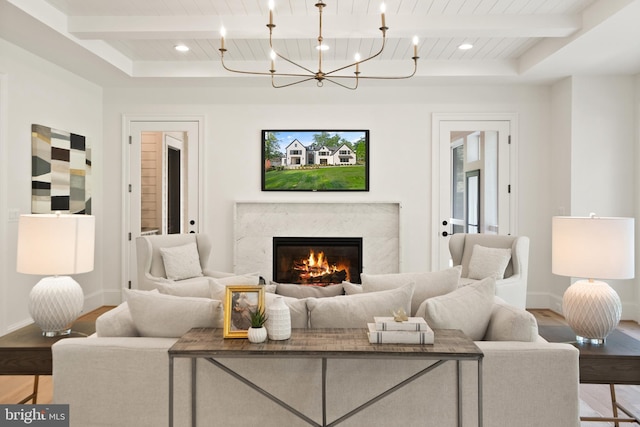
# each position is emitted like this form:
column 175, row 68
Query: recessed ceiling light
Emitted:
column 465, row 46
column 181, row 48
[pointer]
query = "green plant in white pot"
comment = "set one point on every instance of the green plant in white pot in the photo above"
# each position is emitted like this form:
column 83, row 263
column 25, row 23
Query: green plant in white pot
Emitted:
column 257, row 332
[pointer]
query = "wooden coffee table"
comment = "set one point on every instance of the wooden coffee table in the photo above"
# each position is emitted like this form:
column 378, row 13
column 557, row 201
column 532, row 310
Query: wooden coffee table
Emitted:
column 208, row 344
column 615, row 362
column 26, row 352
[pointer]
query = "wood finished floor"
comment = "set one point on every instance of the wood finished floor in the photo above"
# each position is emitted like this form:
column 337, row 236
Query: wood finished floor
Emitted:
column 15, row 388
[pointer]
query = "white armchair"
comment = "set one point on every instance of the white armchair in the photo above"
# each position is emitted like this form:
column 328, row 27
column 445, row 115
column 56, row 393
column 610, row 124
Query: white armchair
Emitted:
column 513, row 288
column 151, row 269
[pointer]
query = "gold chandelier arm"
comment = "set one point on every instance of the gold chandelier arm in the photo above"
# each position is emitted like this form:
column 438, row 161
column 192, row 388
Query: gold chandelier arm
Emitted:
column 384, row 41
column 281, row 56
column 273, row 83
column 415, row 68
column 343, row 85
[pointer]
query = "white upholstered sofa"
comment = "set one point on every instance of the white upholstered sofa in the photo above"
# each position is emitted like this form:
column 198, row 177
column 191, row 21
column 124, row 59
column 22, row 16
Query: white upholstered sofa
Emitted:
column 119, row 378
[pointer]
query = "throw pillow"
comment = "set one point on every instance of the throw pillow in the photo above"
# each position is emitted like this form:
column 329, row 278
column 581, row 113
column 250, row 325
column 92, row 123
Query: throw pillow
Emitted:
column 488, row 262
column 116, row 322
column 467, row 308
column 355, row 311
column 181, row 262
column 198, row 287
column 306, row 291
column 428, row 284
column 297, row 309
column 159, row 315
column 509, row 323
column 218, row 287
column 351, row 288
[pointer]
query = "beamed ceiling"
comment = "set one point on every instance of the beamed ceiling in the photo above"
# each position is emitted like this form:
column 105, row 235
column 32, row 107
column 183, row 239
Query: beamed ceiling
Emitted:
column 116, row 42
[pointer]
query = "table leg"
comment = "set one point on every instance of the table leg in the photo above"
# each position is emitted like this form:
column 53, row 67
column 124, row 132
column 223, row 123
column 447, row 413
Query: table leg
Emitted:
column 324, row 391
column 193, row 392
column 33, row 397
column 614, row 404
column 480, row 397
column 170, row 391
column 459, row 377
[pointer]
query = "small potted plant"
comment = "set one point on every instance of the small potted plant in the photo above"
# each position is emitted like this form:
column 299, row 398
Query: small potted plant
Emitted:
column 257, row 332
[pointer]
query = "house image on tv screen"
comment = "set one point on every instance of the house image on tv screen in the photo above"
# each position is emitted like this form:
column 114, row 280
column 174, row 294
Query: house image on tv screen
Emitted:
column 297, row 154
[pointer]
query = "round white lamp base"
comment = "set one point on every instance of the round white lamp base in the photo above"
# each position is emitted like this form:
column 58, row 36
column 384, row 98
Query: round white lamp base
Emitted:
column 592, row 309
column 55, row 303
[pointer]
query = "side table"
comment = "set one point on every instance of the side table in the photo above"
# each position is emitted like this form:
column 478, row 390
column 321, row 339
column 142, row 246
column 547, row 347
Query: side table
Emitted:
column 615, row 362
column 26, row 352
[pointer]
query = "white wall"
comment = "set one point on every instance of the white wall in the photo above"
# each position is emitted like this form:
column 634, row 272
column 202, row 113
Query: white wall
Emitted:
column 399, row 119
column 35, row 91
column 603, row 157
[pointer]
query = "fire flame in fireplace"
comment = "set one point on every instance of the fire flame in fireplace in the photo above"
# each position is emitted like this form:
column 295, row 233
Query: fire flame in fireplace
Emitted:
column 315, row 267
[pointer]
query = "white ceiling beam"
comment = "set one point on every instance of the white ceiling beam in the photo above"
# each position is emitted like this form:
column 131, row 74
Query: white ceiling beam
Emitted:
column 56, row 20
column 181, row 69
column 345, row 26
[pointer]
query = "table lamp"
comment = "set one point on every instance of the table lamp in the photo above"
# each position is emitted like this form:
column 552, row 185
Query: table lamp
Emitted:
column 55, row 245
column 592, row 247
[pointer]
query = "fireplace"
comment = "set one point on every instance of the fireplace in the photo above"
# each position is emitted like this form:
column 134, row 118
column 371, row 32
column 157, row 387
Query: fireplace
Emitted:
column 317, row 260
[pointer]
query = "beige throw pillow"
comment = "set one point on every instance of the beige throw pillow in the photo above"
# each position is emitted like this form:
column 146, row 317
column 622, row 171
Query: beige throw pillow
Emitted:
column 427, row 285
column 197, row 287
column 218, row 287
column 116, row 322
column 467, row 308
column 181, row 262
column 488, row 262
column 355, row 311
column 306, row 291
column 159, row 315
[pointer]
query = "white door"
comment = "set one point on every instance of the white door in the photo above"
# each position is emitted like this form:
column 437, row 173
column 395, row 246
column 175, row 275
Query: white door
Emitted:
column 472, row 180
column 147, row 193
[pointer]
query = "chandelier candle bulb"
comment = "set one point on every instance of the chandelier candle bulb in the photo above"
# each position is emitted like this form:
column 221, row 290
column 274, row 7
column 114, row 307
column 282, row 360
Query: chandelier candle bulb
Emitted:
column 357, row 59
column 383, row 9
column 415, row 46
column 223, row 33
column 271, row 5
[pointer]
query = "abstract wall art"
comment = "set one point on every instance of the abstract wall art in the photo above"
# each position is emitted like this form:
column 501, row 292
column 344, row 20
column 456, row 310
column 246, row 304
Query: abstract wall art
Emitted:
column 60, row 171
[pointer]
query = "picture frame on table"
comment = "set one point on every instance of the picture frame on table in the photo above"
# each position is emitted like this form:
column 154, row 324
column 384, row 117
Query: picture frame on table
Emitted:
column 239, row 302
column 315, row 160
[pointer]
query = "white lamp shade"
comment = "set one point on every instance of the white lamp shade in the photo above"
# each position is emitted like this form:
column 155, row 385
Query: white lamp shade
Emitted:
column 593, row 247
column 55, row 244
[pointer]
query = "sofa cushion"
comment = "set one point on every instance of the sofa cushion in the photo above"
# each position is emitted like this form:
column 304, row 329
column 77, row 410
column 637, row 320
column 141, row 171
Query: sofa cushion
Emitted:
column 116, row 322
column 181, row 262
column 509, row 323
column 355, row 311
column 168, row 316
column 297, row 309
column 467, row 308
column 427, row 284
column 351, row 288
column 306, row 291
column 488, row 262
column 195, row 287
column 218, row 287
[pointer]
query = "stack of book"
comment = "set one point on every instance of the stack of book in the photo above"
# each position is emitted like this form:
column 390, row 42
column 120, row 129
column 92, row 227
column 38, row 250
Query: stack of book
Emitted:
column 386, row 330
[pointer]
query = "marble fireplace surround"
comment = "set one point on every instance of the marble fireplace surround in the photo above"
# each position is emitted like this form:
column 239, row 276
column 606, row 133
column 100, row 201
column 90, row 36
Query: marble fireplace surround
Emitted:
column 256, row 223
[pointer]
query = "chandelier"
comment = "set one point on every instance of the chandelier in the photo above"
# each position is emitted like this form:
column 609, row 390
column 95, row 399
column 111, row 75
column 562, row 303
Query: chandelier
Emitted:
column 305, row 74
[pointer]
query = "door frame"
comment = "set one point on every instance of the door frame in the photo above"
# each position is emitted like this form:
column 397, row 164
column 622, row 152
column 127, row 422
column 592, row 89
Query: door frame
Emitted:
column 127, row 120
column 436, row 119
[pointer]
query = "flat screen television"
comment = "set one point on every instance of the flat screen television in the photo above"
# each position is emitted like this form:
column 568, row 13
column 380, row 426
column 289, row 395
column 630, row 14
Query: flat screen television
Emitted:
column 315, row 160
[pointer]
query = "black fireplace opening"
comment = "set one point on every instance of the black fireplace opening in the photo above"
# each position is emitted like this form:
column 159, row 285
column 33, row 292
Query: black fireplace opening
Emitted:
column 317, row 261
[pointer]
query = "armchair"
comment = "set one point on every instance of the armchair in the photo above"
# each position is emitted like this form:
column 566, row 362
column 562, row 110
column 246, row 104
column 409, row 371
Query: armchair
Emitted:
column 151, row 269
column 513, row 288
